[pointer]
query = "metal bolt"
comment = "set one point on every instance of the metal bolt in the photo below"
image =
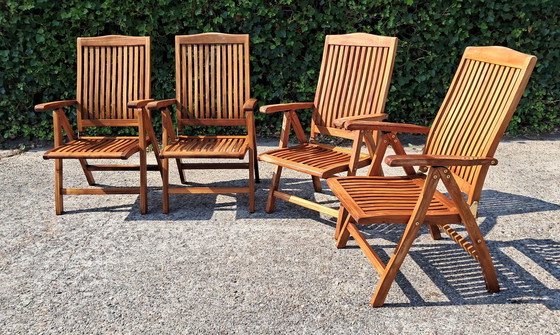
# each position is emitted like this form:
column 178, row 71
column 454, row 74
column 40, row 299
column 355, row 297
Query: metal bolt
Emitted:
column 445, row 171
column 417, row 223
column 478, row 241
column 448, row 176
column 435, row 177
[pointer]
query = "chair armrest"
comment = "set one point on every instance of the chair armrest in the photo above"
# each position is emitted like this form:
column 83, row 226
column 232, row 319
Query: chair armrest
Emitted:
column 250, row 105
column 385, row 126
column 159, row 104
column 438, row 160
column 138, row 103
column 286, row 107
column 341, row 122
column 48, row 106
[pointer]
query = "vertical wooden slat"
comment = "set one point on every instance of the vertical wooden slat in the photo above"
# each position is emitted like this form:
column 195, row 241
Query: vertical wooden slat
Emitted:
column 200, row 81
column 102, row 81
column 246, row 73
column 219, row 78
column 189, row 80
column 325, row 83
column 360, row 99
column 114, row 83
column 136, row 75
column 235, row 83
column 206, row 61
column 224, row 82
column 212, row 92
column 130, row 112
column 83, row 72
column 195, row 80
column 229, row 80
column 95, row 74
column 119, row 90
column 124, row 83
column 339, row 80
column 141, row 70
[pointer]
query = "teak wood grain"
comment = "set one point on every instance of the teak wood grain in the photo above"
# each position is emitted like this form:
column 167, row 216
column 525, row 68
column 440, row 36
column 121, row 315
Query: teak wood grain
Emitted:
column 459, row 150
column 353, row 82
column 111, row 72
column 212, row 89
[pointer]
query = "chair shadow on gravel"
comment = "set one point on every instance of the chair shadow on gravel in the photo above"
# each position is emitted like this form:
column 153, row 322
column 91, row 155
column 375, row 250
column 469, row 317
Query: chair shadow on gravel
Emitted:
column 528, row 269
column 204, row 206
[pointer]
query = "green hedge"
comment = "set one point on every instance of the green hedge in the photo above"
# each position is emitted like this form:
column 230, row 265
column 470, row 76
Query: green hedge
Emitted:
column 37, row 49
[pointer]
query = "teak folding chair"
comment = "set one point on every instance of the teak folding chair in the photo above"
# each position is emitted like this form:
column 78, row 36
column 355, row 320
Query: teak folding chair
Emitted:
column 113, row 74
column 470, row 123
column 353, row 84
column 212, row 89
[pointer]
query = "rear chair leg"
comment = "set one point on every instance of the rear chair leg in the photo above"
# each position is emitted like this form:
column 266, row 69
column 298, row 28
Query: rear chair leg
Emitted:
column 435, row 232
column 251, row 182
column 317, row 184
column 165, row 184
column 273, row 187
column 181, row 172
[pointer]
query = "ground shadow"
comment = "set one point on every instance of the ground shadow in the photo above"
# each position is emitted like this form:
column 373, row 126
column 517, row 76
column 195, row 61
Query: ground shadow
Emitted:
column 528, row 269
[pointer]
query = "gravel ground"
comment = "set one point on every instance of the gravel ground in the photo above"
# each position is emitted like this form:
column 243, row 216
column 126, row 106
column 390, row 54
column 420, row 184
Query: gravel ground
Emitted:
column 210, row 267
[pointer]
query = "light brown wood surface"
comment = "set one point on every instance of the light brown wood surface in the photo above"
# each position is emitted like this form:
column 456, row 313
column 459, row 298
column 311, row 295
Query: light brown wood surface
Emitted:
column 459, row 150
column 111, row 72
column 353, row 82
column 212, row 89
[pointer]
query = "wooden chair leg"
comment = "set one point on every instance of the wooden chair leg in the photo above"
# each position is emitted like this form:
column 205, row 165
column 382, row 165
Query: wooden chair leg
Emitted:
column 316, row 184
column 251, row 181
column 181, row 172
column 143, row 182
column 342, row 213
column 435, row 232
column 58, row 202
column 165, row 184
column 87, row 172
column 343, row 234
column 273, row 187
column 256, row 160
column 482, row 252
column 410, row 233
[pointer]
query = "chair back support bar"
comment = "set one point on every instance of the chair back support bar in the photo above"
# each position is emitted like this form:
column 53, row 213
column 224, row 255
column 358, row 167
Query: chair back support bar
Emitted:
column 477, row 108
column 212, row 79
column 112, row 70
column 354, row 79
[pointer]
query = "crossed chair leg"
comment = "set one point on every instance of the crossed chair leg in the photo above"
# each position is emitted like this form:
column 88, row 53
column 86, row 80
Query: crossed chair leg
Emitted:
column 346, row 227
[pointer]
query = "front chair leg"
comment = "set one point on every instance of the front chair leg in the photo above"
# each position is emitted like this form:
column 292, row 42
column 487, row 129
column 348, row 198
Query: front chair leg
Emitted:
column 435, row 232
column 273, row 187
column 165, row 184
column 410, row 233
column 143, row 182
column 58, row 202
column 342, row 213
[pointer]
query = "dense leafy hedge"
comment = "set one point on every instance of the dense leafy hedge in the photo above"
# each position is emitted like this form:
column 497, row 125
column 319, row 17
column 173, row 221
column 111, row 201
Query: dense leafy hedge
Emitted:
column 37, row 48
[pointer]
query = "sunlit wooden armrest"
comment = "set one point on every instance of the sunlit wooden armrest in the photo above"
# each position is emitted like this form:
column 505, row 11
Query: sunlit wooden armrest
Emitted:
column 138, row 103
column 48, row 106
column 341, row 122
column 250, row 105
column 286, row 107
column 385, row 126
column 438, row 160
column 159, row 104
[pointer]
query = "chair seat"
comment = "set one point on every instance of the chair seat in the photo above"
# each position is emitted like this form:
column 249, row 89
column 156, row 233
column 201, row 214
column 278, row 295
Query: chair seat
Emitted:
column 317, row 159
column 97, row 147
column 206, row 147
column 389, row 200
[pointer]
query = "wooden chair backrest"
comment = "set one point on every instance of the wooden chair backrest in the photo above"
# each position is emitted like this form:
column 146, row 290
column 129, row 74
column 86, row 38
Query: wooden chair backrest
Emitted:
column 477, row 109
column 212, row 79
column 354, row 80
column 112, row 70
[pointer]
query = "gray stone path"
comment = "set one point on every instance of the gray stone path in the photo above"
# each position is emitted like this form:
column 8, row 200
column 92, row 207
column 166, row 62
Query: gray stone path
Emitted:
column 210, row 267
